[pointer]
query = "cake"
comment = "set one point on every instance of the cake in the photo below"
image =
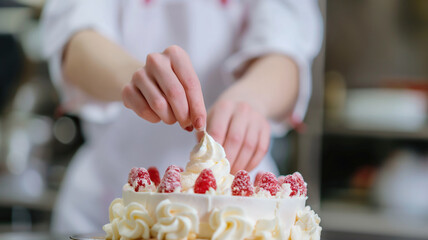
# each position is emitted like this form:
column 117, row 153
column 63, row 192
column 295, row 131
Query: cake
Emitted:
column 204, row 201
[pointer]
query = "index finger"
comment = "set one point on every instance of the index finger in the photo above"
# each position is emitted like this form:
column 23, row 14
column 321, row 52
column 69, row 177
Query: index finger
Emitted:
column 182, row 67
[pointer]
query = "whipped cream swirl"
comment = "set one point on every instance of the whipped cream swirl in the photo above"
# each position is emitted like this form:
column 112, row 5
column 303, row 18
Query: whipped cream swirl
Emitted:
column 175, row 221
column 230, row 223
column 115, row 214
column 207, row 154
column 306, row 225
column 269, row 229
column 136, row 222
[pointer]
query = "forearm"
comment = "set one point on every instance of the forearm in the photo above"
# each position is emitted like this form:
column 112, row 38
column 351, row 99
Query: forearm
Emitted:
column 270, row 84
column 98, row 66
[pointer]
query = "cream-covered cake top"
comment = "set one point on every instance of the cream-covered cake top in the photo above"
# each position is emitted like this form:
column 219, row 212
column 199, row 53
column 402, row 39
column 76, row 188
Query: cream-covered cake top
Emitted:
column 208, row 172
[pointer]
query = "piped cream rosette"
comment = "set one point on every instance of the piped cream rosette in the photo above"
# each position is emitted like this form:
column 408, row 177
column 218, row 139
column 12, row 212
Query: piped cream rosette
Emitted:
column 207, row 154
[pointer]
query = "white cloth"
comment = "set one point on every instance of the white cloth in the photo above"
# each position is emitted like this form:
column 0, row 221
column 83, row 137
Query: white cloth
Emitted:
column 219, row 39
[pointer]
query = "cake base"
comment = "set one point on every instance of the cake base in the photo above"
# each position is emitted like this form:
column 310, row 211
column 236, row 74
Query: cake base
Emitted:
column 203, row 216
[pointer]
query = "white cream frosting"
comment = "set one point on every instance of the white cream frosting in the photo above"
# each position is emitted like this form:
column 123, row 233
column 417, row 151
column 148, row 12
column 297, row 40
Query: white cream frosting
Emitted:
column 306, row 225
column 269, row 229
column 262, row 193
column 211, row 214
column 230, row 223
column 175, row 221
column 136, row 222
column 207, row 154
column 115, row 214
column 284, row 191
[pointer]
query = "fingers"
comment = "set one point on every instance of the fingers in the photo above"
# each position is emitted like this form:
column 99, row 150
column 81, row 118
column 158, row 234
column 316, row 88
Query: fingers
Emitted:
column 154, row 96
column 243, row 132
column 262, row 147
column 237, row 131
column 199, row 135
column 133, row 99
column 170, row 86
column 182, row 67
column 248, row 148
column 219, row 118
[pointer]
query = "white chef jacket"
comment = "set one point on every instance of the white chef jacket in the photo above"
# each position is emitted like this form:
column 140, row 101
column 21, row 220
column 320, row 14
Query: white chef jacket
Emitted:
column 220, row 36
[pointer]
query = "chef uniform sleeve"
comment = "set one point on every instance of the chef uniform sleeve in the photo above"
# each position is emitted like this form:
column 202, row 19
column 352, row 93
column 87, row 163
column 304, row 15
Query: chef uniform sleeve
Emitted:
column 61, row 19
column 289, row 27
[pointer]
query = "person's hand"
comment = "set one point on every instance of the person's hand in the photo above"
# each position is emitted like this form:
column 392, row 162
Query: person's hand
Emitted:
column 167, row 89
column 243, row 132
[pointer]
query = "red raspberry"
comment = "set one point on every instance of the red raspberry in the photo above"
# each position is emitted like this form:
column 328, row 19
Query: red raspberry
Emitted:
column 269, row 183
column 137, row 173
column 258, row 177
column 297, row 184
column 132, row 175
column 141, row 184
column 241, row 185
column 170, row 181
column 176, row 168
column 303, row 190
column 290, row 180
column 205, row 181
column 154, row 175
column 141, row 179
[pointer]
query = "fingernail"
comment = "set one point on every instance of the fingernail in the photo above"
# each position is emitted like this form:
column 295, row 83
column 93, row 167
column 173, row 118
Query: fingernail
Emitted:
column 189, row 128
column 199, row 124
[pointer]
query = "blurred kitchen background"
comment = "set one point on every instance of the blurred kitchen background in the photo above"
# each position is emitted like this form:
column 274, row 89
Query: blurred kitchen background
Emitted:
column 363, row 149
